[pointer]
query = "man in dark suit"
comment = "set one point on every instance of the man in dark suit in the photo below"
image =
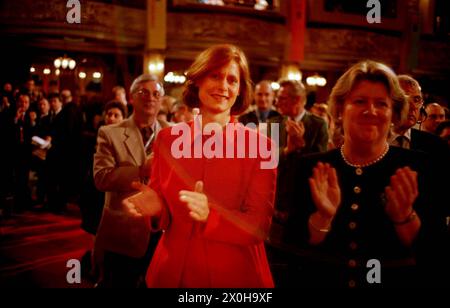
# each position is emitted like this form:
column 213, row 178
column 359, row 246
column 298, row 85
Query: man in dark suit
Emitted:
column 264, row 97
column 63, row 157
column 73, row 124
column 300, row 131
column 405, row 135
column 17, row 130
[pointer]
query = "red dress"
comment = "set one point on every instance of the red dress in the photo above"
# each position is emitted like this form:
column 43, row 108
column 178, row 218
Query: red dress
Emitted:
column 227, row 250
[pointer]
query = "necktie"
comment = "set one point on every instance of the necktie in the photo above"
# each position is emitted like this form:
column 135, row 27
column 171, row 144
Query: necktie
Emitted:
column 263, row 117
column 147, row 138
column 402, row 141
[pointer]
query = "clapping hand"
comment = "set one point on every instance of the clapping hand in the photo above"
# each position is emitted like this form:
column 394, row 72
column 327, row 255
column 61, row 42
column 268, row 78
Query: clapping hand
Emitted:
column 196, row 201
column 325, row 190
column 295, row 132
column 401, row 194
column 20, row 113
column 145, row 203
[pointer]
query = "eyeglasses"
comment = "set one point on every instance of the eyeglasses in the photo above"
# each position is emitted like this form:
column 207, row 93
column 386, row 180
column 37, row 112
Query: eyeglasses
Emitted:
column 416, row 100
column 144, row 93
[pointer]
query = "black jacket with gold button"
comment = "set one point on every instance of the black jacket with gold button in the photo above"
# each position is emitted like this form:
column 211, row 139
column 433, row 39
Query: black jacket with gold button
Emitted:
column 361, row 229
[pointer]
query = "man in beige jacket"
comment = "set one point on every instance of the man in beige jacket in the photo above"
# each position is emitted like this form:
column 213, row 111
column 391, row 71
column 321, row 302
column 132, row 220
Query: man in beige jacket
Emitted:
column 124, row 244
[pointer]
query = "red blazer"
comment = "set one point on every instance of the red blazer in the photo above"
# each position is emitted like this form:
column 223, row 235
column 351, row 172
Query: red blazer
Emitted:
column 227, row 250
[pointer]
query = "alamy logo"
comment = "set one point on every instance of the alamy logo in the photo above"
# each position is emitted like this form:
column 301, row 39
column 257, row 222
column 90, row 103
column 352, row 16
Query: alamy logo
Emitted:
column 74, row 14
column 239, row 143
column 74, row 273
column 374, row 14
column 374, row 274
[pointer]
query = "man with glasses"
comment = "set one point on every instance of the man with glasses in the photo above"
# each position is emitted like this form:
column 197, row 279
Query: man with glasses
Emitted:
column 300, row 131
column 123, row 246
column 405, row 135
column 435, row 149
column 408, row 137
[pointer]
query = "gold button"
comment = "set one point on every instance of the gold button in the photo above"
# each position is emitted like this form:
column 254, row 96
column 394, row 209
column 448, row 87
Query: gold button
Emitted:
column 352, row 225
column 357, row 190
column 352, row 284
column 353, row 245
column 352, row 263
column 359, row 171
column 355, row 206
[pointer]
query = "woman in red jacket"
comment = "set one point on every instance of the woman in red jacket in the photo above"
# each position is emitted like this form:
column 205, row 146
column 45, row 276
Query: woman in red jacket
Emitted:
column 216, row 194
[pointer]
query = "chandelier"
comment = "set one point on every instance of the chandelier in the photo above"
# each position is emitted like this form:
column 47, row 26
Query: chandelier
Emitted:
column 64, row 62
column 316, row 80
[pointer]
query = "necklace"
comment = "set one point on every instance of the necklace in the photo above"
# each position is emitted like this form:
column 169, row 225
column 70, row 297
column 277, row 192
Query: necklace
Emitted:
column 368, row 163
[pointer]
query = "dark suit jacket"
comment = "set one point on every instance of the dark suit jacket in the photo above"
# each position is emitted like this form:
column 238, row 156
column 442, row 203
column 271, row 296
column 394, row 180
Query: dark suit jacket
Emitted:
column 251, row 117
column 316, row 133
column 43, row 126
column 428, row 143
column 65, row 130
column 439, row 156
column 316, row 139
column 374, row 233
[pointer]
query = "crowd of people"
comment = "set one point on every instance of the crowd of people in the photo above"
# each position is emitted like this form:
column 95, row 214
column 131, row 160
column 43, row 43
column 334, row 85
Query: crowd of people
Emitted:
column 356, row 180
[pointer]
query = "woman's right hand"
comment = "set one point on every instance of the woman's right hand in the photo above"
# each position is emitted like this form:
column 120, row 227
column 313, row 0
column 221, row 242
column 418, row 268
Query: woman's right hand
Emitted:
column 145, row 203
column 325, row 190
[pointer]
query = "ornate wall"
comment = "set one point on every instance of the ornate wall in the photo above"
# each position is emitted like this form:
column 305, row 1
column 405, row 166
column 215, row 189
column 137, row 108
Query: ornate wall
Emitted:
column 102, row 28
column 115, row 29
column 188, row 33
column 336, row 48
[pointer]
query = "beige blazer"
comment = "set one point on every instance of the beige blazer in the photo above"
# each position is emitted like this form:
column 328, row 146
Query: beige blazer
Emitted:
column 120, row 153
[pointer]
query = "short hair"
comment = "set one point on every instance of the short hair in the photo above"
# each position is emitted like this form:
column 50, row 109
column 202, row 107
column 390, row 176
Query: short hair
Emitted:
column 53, row 95
column 23, row 92
column 434, row 105
column 214, row 58
column 145, row 78
column 43, row 98
column 66, row 91
column 25, row 95
column 407, row 81
column 116, row 104
column 267, row 82
column 117, row 88
column 369, row 71
column 294, row 88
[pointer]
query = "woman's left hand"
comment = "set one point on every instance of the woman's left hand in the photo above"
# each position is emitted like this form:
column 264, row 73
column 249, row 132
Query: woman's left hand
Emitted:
column 197, row 202
column 401, row 194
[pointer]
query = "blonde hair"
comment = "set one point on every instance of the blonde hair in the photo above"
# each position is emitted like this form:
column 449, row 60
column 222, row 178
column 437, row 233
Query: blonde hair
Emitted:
column 369, row 71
